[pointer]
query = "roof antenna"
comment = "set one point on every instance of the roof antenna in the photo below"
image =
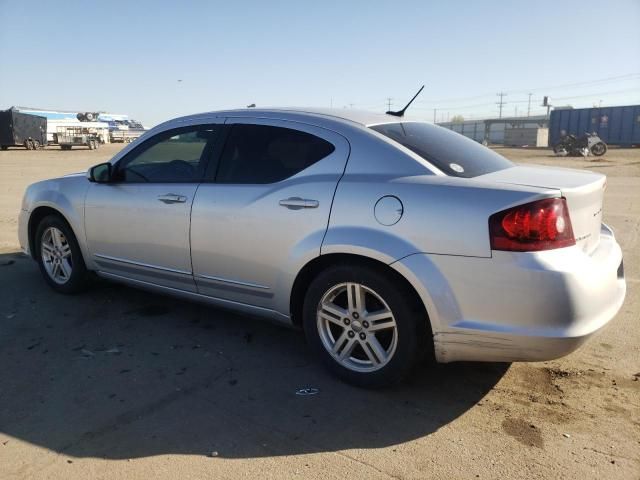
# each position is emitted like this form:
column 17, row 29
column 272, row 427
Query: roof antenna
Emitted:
column 400, row 113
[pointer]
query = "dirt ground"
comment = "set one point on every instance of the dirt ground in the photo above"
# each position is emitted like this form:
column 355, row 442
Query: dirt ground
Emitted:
column 119, row 383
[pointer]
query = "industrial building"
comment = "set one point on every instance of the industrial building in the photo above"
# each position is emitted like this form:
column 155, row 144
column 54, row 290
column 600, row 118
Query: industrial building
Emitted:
column 615, row 125
column 511, row 131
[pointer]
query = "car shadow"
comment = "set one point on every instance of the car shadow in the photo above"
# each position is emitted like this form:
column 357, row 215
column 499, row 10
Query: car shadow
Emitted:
column 120, row 373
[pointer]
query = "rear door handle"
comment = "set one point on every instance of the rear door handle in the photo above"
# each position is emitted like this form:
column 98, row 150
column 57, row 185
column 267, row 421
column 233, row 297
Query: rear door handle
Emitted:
column 172, row 198
column 296, row 203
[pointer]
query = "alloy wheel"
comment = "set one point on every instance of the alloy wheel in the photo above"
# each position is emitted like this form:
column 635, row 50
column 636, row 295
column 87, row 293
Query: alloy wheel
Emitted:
column 357, row 327
column 56, row 255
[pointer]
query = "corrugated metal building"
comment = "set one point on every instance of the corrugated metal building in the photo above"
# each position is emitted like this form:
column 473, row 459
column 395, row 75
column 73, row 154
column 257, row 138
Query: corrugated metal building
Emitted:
column 473, row 129
column 615, row 125
column 493, row 129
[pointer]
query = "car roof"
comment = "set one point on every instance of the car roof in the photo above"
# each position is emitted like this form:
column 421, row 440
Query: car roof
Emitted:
column 361, row 117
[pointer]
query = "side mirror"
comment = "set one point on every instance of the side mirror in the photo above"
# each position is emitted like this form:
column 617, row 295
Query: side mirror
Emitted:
column 100, row 173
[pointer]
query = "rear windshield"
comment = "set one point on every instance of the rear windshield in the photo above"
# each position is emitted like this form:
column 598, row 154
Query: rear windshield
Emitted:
column 454, row 154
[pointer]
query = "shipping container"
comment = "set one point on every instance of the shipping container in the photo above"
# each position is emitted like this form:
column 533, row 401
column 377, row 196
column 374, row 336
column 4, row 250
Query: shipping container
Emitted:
column 614, row 125
column 22, row 130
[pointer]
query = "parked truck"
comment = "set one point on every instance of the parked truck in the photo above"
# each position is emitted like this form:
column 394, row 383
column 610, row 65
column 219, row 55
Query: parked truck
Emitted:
column 22, row 130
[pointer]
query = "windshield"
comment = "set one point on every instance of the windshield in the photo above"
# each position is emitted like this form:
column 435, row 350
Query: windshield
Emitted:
column 454, row 154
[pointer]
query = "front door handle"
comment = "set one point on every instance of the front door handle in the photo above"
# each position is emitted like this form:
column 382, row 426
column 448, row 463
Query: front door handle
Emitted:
column 172, row 198
column 296, row 203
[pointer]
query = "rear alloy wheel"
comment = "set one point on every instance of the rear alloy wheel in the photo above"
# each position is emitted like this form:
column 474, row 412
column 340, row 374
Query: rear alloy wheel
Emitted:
column 59, row 256
column 367, row 330
column 356, row 338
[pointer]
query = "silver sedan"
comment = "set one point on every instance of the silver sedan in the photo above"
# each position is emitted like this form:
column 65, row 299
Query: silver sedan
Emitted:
column 384, row 239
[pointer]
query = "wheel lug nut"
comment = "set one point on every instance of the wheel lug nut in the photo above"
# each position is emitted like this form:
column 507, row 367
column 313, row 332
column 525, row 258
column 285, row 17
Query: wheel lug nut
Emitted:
column 365, row 324
column 351, row 333
column 347, row 321
column 362, row 336
column 356, row 315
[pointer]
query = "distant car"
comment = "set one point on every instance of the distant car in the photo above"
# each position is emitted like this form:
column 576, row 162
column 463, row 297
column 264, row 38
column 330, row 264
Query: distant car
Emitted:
column 384, row 239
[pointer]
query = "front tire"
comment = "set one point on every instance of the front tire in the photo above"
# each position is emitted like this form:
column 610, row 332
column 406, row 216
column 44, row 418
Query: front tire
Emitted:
column 59, row 256
column 559, row 147
column 364, row 325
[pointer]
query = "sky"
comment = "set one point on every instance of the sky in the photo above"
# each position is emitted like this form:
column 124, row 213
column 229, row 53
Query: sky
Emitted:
column 155, row 60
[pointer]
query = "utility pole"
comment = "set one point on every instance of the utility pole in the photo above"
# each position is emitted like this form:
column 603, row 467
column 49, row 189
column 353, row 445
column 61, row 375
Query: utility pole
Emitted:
column 529, row 106
column 389, row 104
column 546, row 103
column 515, row 110
column 434, row 114
column 501, row 103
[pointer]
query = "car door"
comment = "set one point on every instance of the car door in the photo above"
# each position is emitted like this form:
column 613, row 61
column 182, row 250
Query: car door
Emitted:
column 137, row 226
column 267, row 211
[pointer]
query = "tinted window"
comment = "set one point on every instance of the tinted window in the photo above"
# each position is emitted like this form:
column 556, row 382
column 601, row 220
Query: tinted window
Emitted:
column 265, row 154
column 454, row 154
column 174, row 156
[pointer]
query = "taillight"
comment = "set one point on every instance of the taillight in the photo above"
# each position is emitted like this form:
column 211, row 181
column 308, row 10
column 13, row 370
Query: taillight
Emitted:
column 535, row 226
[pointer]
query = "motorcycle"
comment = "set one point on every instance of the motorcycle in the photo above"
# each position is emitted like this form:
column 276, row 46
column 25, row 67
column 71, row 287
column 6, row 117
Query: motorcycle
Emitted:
column 589, row 143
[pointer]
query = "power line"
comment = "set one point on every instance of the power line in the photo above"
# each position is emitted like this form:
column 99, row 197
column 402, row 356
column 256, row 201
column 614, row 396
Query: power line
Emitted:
column 462, row 107
column 597, row 94
column 627, row 76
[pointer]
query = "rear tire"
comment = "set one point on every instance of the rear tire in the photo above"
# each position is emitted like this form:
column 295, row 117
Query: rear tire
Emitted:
column 59, row 257
column 366, row 328
column 599, row 149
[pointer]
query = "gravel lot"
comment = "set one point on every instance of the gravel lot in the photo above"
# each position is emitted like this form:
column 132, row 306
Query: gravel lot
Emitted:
column 119, row 383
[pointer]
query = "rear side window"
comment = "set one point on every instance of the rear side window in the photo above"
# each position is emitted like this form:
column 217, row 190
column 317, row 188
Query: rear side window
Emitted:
column 454, row 154
column 257, row 154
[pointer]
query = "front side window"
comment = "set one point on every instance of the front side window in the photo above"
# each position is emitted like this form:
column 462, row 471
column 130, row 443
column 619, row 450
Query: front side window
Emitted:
column 451, row 152
column 176, row 156
column 259, row 154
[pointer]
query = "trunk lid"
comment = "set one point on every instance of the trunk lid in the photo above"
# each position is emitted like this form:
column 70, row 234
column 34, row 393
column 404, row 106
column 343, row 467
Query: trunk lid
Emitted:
column 583, row 190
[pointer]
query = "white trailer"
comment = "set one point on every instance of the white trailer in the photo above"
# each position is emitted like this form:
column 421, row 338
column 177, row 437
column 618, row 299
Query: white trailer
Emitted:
column 100, row 130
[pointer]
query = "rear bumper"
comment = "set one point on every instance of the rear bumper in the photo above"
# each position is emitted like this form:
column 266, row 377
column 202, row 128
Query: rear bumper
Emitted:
column 518, row 306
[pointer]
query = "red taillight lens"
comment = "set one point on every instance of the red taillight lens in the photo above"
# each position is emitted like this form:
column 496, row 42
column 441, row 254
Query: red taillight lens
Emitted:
column 541, row 225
